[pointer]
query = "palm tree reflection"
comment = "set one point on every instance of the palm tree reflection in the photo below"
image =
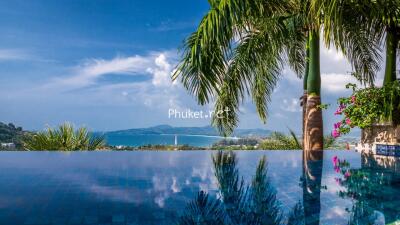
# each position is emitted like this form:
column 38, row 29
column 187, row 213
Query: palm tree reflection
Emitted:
column 311, row 181
column 254, row 204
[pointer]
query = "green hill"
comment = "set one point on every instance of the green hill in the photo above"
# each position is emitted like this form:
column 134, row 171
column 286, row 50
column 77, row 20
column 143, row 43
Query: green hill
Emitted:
column 9, row 133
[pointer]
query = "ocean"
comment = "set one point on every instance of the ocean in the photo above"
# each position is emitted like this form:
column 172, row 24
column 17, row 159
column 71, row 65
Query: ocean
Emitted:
column 161, row 139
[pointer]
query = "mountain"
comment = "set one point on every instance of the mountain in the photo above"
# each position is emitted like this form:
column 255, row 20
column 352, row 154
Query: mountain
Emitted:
column 207, row 130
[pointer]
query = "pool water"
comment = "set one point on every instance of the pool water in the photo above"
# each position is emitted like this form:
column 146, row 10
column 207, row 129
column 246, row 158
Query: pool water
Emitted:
column 155, row 187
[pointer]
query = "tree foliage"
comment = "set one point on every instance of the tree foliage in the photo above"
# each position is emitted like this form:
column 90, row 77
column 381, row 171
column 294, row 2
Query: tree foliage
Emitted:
column 240, row 48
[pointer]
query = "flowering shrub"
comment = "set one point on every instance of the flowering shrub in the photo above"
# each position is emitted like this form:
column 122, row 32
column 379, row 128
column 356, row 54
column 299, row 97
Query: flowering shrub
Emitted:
column 366, row 107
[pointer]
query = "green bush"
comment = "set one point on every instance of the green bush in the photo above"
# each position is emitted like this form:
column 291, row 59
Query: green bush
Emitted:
column 368, row 106
column 64, row 138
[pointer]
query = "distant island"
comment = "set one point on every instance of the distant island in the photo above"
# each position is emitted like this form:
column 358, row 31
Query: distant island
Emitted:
column 206, row 130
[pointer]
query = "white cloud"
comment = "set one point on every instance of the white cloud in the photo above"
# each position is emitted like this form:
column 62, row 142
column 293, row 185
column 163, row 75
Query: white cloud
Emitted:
column 118, row 65
column 161, row 72
column 156, row 65
column 332, row 54
column 336, row 82
column 291, row 105
column 175, row 188
column 13, row 54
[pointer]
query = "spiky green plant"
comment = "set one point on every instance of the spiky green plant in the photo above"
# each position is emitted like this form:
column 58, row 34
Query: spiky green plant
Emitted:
column 64, row 138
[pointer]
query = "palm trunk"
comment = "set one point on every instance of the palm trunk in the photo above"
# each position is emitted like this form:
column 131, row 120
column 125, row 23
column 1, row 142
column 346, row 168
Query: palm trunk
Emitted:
column 304, row 97
column 313, row 139
column 391, row 47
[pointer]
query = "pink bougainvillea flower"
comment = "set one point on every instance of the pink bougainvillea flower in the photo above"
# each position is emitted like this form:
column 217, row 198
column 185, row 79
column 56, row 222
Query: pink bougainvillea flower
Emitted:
column 348, row 121
column 340, row 109
column 337, row 125
column 353, row 99
column 335, row 133
column 337, row 169
column 335, row 161
column 347, row 174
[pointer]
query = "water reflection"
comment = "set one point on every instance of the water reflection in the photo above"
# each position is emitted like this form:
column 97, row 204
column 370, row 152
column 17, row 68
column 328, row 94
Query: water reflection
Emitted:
column 154, row 188
column 311, row 183
column 373, row 189
column 237, row 202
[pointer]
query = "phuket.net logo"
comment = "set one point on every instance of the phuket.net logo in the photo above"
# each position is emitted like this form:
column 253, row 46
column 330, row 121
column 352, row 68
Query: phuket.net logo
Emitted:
column 197, row 114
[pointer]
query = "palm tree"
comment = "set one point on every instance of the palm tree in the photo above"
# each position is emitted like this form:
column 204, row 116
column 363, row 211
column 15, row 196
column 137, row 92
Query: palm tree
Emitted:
column 382, row 26
column 64, row 138
column 240, row 48
column 379, row 17
column 387, row 15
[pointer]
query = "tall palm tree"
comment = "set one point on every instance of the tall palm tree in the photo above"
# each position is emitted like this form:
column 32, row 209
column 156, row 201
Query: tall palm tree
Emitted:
column 240, row 48
column 354, row 40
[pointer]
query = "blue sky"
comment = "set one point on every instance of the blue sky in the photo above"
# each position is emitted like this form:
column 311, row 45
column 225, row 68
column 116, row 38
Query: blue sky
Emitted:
column 107, row 64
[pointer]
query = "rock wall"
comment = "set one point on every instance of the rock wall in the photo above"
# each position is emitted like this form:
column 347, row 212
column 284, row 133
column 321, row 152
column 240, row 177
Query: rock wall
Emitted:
column 383, row 133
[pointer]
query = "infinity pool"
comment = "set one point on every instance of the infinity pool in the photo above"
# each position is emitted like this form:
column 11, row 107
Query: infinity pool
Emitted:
column 150, row 187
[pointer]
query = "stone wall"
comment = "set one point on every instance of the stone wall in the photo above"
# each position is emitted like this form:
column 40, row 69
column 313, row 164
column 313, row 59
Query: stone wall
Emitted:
column 383, row 133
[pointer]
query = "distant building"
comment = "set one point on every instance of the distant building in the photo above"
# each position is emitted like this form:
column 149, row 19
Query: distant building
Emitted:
column 8, row 145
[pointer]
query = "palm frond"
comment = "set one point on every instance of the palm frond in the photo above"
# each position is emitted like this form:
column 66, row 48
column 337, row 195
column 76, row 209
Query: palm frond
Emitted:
column 264, row 205
column 203, row 211
column 296, row 140
column 355, row 28
column 204, row 57
column 254, row 69
column 296, row 216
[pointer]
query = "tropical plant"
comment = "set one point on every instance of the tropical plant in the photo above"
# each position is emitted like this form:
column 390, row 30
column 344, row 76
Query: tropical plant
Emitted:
column 64, row 138
column 240, row 48
column 382, row 21
column 368, row 106
column 239, row 203
column 280, row 141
